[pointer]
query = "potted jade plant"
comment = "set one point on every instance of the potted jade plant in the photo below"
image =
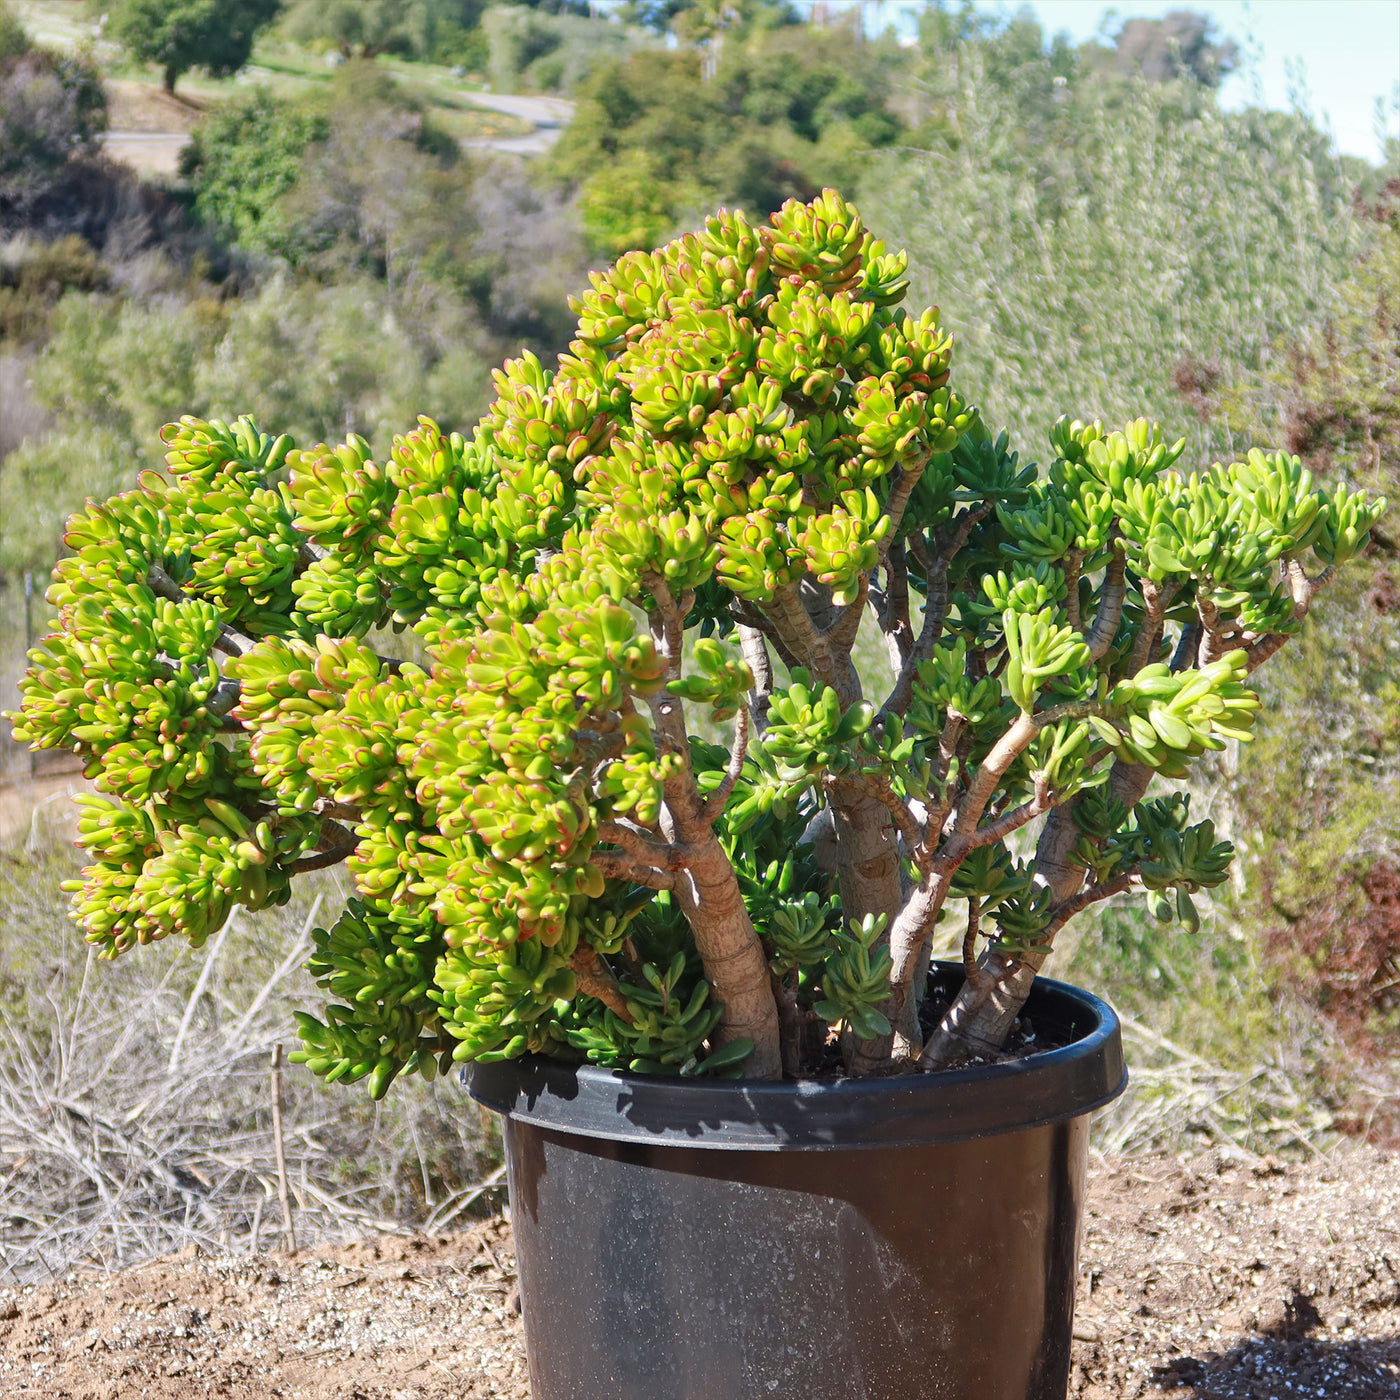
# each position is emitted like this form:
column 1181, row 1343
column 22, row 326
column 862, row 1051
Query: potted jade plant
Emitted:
column 637, row 838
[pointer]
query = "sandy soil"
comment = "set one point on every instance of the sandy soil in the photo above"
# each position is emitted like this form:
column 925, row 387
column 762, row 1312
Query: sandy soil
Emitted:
column 1210, row 1280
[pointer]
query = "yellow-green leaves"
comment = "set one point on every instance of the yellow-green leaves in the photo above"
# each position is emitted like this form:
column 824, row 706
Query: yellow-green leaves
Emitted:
column 1160, row 718
column 819, row 242
column 202, row 451
column 1347, row 524
column 808, row 732
column 1038, row 650
column 718, row 678
column 855, row 979
column 338, row 493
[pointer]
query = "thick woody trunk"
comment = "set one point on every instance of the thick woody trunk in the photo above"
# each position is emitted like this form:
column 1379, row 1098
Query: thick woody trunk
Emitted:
column 735, row 965
column 977, row 1023
column 909, row 937
column 868, row 875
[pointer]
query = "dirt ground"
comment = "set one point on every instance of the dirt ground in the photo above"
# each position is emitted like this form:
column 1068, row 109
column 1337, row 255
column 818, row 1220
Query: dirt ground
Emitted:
column 1217, row 1279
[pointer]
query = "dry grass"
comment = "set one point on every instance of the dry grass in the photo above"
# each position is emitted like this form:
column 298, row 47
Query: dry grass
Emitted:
column 135, row 1106
column 20, row 416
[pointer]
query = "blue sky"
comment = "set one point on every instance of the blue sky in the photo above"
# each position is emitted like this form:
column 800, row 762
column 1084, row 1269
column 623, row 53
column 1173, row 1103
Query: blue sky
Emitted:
column 1339, row 55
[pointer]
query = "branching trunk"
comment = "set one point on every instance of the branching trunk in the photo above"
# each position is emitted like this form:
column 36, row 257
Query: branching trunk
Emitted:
column 735, row 966
column 982, row 1014
column 868, row 874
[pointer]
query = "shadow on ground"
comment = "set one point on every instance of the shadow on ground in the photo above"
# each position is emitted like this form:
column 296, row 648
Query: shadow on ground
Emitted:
column 1288, row 1360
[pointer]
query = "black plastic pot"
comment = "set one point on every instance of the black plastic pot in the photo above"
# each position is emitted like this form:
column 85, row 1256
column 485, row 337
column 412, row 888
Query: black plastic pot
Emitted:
column 911, row 1238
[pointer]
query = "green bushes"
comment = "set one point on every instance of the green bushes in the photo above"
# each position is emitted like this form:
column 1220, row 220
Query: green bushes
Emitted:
column 1089, row 257
column 52, row 108
column 654, row 142
column 242, row 158
column 327, row 359
column 531, row 48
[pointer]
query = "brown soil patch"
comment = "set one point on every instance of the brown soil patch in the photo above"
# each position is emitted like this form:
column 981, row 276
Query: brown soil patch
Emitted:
column 1218, row 1279
column 135, row 106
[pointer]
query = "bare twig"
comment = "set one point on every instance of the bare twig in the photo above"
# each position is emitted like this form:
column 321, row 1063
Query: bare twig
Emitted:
column 971, row 970
column 714, row 804
column 288, row 1231
column 211, row 958
column 595, row 979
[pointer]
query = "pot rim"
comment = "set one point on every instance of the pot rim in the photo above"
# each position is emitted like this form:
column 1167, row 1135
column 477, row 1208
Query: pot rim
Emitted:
column 806, row 1115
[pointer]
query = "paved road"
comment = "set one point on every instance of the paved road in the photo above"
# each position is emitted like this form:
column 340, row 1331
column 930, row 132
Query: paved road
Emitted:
column 158, row 152
column 150, row 152
column 548, row 115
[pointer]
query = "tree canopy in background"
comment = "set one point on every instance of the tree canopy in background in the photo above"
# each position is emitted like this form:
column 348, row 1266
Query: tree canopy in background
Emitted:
column 1105, row 230
column 413, row 28
column 52, row 108
column 1181, row 42
column 216, row 35
column 654, row 142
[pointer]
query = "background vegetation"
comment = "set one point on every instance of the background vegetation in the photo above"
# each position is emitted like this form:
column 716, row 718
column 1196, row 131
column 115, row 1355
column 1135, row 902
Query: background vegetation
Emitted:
column 337, row 253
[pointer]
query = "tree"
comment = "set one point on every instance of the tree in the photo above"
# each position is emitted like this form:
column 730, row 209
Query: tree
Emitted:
column 14, row 41
column 1182, row 41
column 369, row 27
column 653, row 140
column 52, row 108
column 216, row 35
column 750, row 443
column 243, row 157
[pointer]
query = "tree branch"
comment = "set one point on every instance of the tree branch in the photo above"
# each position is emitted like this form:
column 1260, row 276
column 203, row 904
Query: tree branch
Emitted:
column 1066, row 909
column 595, row 979
column 714, row 804
column 979, row 791
column 842, row 632
column 1157, row 598
column 915, row 834
column 755, row 652
column 935, row 603
column 655, row 854
column 799, row 634
column 615, row 866
column 1304, row 589
column 969, row 943
column 892, row 607
column 912, row 468
column 991, row 832
column 671, row 615
column 333, row 845
column 1110, row 609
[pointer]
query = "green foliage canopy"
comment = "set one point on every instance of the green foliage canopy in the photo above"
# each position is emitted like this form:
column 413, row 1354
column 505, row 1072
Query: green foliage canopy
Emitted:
column 216, row 35
column 52, row 108
column 750, row 440
column 243, row 157
column 653, row 141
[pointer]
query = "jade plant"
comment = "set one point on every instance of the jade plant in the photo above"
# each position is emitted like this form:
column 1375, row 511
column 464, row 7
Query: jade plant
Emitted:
column 635, row 802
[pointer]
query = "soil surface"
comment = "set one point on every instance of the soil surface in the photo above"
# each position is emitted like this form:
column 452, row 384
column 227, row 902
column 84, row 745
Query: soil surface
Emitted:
column 1218, row 1278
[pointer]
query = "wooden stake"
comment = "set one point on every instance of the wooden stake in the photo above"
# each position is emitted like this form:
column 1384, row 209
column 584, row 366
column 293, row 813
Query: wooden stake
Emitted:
column 289, row 1233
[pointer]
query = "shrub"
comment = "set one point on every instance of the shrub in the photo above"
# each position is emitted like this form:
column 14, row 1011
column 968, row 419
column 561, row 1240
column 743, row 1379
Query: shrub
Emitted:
column 750, row 442
column 52, row 108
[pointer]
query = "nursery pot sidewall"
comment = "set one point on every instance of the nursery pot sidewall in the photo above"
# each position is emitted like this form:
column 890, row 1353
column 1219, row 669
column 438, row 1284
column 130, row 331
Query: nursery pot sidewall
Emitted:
column 881, row 1239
